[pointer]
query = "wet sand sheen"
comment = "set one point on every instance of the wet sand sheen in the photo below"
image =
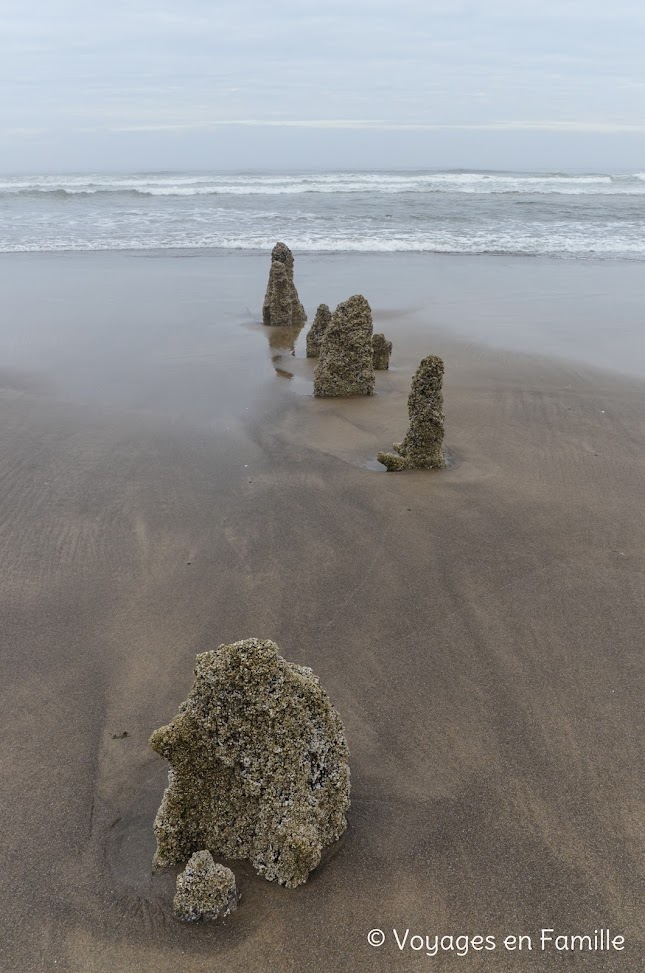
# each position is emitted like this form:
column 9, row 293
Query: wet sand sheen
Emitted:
column 166, row 488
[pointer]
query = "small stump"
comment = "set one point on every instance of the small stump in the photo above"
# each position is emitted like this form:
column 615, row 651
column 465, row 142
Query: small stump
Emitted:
column 317, row 330
column 381, row 351
column 205, row 890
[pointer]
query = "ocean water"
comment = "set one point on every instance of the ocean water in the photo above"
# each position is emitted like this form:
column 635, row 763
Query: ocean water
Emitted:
column 599, row 215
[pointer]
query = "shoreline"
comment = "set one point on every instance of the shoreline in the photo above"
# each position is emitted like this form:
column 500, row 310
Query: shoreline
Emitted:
column 207, row 251
column 537, row 305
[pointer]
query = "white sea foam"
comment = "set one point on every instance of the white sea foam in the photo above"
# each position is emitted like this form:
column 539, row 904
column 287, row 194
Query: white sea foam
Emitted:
column 564, row 214
column 571, row 245
column 332, row 183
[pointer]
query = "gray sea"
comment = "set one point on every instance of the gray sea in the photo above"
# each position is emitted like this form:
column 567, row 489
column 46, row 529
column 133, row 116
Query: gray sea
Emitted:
column 599, row 215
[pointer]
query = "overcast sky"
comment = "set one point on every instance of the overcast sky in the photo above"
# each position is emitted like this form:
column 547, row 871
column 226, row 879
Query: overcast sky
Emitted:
column 290, row 83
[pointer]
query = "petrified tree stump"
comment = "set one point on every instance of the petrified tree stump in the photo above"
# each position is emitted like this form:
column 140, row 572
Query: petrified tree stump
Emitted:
column 204, row 890
column 345, row 366
column 422, row 447
column 381, row 351
column 282, row 307
column 317, row 330
column 258, row 765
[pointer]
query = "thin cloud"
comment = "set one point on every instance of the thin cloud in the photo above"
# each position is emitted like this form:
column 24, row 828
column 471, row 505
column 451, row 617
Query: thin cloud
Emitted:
column 599, row 127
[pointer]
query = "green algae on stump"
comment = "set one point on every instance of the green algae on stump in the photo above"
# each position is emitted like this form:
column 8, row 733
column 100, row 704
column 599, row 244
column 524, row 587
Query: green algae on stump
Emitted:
column 259, row 765
column 381, row 351
column 422, row 447
column 345, row 366
column 282, row 307
column 317, row 330
column 204, row 890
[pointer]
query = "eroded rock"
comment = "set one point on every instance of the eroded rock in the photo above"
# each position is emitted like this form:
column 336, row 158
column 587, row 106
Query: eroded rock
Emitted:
column 381, row 351
column 317, row 330
column 282, row 307
column 345, row 366
column 259, row 765
column 204, row 890
column 422, row 447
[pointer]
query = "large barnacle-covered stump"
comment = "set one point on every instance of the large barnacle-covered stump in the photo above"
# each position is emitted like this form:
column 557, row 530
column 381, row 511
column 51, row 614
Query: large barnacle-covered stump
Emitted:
column 422, row 447
column 258, row 765
column 282, row 307
column 345, row 366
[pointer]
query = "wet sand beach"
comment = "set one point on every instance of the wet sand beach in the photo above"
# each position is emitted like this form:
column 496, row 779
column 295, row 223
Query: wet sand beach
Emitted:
column 169, row 483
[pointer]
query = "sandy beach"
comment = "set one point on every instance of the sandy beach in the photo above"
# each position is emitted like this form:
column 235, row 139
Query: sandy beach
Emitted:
column 169, row 483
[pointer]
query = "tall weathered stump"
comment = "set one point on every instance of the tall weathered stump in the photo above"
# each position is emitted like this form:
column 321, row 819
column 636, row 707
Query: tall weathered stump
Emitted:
column 422, row 447
column 346, row 366
column 282, row 307
column 258, row 765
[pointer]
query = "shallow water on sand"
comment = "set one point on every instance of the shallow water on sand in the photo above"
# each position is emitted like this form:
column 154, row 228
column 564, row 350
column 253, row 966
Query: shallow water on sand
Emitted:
column 163, row 331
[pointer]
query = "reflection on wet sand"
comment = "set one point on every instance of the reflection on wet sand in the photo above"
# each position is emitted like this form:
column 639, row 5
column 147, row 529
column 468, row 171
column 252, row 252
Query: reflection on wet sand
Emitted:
column 282, row 340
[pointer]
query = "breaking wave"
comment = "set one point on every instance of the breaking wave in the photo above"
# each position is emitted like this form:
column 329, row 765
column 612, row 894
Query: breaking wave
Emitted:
column 250, row 184
column 526, row 245
column 560, row 214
